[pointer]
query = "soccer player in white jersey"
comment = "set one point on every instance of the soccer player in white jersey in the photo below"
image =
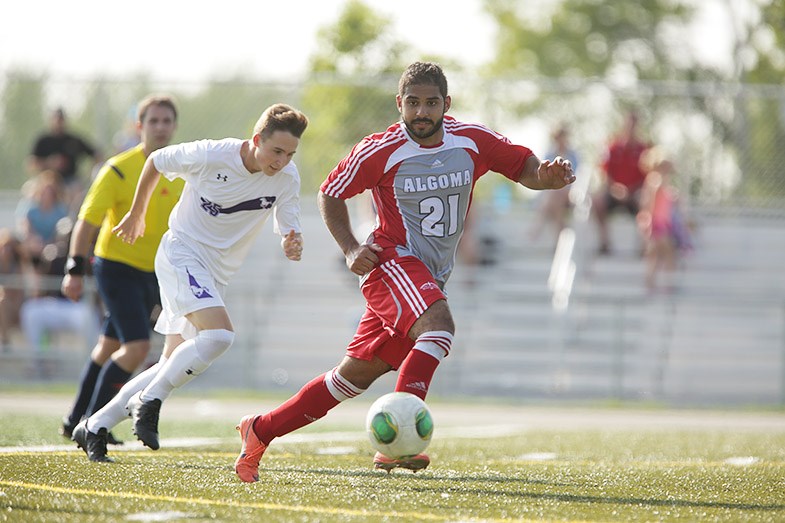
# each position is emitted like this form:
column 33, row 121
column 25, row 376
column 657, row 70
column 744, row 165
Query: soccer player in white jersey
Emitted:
column 421, row 173
column 232, row 187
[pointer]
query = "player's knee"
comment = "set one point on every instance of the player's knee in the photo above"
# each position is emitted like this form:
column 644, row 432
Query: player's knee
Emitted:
column 211, row 343
column 436, row 343
column 361, row 373
column 104, row 349
column 344, row 387
column 130, row 355
column 437, row 317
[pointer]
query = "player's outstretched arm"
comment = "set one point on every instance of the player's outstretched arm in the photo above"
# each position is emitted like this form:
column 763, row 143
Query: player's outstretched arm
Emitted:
column 292, row 245
column 132, row 224
column 549, row 174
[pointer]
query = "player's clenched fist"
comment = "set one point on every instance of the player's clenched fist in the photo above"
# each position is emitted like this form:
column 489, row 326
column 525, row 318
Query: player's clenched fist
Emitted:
column 292, row 245
column 363, row 259
column 556, row 173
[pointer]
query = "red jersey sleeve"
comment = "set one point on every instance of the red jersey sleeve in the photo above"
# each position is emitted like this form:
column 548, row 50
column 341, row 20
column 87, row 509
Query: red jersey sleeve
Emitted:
column 496, row 152
column 364, row 166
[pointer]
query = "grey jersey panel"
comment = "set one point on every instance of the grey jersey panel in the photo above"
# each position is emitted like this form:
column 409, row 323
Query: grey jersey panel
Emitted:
column 433, row 192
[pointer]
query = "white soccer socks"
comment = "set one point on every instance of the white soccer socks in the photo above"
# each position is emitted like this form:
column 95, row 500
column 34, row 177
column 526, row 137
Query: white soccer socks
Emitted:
column 187, row 361
column 114, row 411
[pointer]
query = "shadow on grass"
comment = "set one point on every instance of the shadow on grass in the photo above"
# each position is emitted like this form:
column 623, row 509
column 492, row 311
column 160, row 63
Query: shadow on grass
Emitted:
column 425, row 477
column 435, row 482
column 421, row 476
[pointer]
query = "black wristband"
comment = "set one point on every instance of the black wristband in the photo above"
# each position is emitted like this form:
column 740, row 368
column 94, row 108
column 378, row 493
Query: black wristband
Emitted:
column 75, row 266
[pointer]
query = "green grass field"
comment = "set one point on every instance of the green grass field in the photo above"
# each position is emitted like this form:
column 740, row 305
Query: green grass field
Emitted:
column 597, row 473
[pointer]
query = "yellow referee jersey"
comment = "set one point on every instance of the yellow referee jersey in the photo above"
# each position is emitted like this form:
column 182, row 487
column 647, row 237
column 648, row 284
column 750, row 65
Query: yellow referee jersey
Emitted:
column 109, row 199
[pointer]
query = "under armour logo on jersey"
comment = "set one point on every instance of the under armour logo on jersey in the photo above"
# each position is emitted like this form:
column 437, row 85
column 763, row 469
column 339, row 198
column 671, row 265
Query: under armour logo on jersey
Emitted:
column 222, row 177
column 198, row 291
column 436, row 163
column 261, row 203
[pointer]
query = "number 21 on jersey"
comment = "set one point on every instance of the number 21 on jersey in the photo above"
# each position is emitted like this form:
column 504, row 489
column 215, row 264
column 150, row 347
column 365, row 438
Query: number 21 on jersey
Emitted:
column 441, row 217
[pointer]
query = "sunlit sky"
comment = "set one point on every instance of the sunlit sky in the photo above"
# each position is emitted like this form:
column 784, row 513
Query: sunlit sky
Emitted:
column 185, row 40
column 178, row 40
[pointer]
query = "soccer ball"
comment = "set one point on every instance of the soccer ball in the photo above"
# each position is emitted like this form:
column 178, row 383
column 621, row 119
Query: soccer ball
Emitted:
column 399, row 424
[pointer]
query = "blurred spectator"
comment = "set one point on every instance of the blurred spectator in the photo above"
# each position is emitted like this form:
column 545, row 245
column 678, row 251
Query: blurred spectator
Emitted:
column 48, row 311
column 13, row 268
column 661, row 219
column 623, row 178
column 39, row 213
column 61, row 151
column 555, row 205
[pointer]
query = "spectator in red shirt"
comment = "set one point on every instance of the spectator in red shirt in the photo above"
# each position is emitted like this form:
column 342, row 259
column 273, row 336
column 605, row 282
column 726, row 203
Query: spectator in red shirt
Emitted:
column 623, row 178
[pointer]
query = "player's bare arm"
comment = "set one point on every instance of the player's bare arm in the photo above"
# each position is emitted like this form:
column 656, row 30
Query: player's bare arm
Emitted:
column 132, row 225
column 292, row 245
column 360, row 258
column 548, row 174
column 82, row 238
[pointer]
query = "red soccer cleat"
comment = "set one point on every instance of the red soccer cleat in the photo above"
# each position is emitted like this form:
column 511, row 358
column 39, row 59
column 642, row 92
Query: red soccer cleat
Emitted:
column 247, row 463
column 413, row 463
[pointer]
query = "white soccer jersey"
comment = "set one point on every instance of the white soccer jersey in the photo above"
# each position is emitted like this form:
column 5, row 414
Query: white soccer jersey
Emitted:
column 223, row 206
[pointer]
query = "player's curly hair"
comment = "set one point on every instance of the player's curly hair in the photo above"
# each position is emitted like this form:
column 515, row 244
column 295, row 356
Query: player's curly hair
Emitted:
column 281, row 117
column 423, row 73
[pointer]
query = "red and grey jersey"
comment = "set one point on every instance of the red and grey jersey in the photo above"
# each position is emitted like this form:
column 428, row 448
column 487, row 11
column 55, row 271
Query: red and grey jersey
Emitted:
column 422, row 194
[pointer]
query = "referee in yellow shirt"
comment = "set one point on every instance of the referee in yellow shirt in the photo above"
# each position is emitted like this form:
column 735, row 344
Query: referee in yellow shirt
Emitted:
column 124, row 273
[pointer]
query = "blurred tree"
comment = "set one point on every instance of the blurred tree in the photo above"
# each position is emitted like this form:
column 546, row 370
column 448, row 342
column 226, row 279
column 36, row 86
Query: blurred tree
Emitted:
column 108, row 109
column 23, row 118
column 358, row 43
column 227, row 108
column 760, row 125
column 760, row 44
column 640, row 52
column 589, row 38
column 351, row 88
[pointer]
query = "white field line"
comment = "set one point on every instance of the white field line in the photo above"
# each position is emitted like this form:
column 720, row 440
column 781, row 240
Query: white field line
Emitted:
column 318, row 437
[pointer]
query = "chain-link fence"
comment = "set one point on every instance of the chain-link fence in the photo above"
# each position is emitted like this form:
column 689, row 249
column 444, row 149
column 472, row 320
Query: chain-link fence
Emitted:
column 726, row 144
column 725, row 139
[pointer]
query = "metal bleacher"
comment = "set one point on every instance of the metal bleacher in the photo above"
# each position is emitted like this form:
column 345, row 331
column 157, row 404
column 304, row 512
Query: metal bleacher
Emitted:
column 717, row 337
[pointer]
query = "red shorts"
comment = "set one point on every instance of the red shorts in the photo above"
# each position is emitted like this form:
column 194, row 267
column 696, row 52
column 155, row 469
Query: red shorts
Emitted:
column 397, row 292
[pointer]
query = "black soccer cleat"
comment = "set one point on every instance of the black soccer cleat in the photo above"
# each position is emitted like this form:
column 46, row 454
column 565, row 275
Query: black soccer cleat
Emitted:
column 112, row 440
column 94, row 445
column 67, row 431
column 144, row 416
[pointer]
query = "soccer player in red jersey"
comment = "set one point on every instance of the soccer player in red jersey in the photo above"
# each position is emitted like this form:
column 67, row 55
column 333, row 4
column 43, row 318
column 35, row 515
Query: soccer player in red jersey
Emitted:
column 421, row 173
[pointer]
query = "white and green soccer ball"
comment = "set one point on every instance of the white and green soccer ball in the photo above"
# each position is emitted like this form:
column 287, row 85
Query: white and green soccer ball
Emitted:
column 399, row 424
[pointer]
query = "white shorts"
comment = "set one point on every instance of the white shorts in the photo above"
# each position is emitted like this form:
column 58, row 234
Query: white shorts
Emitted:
column 186, row 286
